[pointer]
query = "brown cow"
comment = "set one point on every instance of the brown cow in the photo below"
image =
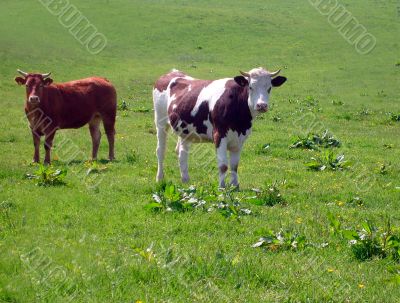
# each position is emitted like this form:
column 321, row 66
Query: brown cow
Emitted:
column 50, row 107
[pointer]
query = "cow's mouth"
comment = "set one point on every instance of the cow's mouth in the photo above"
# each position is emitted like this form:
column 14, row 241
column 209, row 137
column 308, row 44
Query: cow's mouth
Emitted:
column 262, row 110
column 33, row 103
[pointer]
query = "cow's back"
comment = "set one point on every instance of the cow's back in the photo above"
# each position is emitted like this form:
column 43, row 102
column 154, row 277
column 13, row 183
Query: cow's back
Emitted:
column 74, row 103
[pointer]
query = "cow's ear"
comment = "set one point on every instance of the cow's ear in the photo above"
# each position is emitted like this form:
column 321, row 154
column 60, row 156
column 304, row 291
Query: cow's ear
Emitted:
column 278, row 81
column 20, row 80
column 242, row 81
column 47, row 81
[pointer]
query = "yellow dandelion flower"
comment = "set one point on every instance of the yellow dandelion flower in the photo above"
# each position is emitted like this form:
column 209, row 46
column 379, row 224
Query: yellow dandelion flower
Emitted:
column 361, row 285
column 299, row 220
column 331, row 270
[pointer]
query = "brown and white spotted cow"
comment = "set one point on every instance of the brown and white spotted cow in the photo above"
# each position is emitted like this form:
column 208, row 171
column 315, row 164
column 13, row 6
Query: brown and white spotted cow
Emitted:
column 219, row 111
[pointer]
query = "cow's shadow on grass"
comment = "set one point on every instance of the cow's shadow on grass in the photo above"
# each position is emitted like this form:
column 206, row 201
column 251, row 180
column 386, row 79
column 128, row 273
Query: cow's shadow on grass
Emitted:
column 83, row 161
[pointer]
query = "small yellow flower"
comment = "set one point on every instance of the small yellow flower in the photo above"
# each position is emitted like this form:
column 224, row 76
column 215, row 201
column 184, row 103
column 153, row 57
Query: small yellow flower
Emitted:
column 340, row 203
column 331, row 270
column 236, row 260
column 299, row 220
column 361, row 285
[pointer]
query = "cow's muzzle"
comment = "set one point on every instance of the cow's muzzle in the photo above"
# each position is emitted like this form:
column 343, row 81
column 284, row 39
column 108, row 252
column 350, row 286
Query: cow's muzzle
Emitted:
column 262, row 107
column 34, row 100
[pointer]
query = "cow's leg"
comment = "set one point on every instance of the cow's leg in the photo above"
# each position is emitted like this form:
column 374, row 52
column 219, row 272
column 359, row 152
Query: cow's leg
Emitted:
column 234, row 162
column 48, row 144
column 36, row 144
column 109, row 124
column 183, row 160
column 178, row 143
column 161, row 147
column 222, row 157
column 94, row 127
column 160, row 101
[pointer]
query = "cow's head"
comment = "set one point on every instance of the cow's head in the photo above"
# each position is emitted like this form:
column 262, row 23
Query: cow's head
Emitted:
column 34, row 85
column 260, row 83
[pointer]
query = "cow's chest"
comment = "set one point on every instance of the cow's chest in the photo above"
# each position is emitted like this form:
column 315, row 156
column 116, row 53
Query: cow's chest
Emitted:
column 235, row 140
column 39, row 122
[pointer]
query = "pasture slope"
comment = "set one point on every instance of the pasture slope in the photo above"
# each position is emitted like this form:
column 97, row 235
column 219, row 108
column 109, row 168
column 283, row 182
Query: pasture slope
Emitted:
column 101, row 244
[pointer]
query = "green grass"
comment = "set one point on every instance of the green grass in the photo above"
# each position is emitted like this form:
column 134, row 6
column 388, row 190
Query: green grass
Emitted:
column 103, row 239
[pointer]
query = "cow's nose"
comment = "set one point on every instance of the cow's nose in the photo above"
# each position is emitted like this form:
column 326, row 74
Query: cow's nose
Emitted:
column 34, row 99
column 262, row 107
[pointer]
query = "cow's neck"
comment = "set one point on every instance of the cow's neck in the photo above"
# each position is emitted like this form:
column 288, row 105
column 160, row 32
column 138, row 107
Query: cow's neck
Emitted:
column 244, row 96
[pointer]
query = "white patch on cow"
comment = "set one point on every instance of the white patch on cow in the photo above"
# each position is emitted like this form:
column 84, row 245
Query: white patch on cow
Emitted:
column 189, row 87
column 235, row 141
column 190, row 135
column 168, row 92
column 172, row 99
column 210, row 94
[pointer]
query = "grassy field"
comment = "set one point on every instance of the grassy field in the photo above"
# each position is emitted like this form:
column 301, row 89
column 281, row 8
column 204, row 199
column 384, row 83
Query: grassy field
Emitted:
column 100, row 244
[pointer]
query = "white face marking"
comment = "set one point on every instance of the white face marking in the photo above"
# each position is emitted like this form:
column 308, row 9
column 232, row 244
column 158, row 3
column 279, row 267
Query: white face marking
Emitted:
column 211, row 94
column 259, row 90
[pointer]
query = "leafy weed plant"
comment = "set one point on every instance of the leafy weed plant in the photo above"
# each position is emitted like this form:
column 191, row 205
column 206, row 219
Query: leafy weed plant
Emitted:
column 270, row 196
column 370, row 241
column 170, row 198
column 48, row 176
column 315, row 141
column 282, row 240
column 329, row 161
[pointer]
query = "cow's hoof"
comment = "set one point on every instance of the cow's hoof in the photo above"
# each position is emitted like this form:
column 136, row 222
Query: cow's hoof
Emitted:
column 185, row 179
column 235, row 186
